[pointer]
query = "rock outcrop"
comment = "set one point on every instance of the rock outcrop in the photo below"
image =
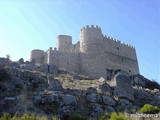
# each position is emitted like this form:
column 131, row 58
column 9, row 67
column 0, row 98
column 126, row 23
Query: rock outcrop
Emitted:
column 47, row 90
column 122, row 87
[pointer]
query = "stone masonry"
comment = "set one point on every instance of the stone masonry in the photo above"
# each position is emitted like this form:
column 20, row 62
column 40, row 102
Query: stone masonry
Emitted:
column 94, row 55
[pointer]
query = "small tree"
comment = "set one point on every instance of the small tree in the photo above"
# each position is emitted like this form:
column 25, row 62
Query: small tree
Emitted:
column 149, row 109
column 8, row 56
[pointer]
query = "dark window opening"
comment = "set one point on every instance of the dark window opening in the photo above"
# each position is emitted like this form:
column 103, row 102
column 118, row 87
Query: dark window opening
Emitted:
column 129, row 71
column 109, row 74
column 117, row 48
column 122, row 59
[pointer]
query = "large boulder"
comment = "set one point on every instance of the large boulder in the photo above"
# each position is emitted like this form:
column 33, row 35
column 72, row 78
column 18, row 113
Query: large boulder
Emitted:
column 91, row 90
column 142, row 97
column 124, row 105
column 53, row 69
column 55, row 85
column 38, row 96
column 43, row 68
column 27, row 62
column 108, row 101
column 53, row 98
column 4, row 61
column 21, row 61
column 69, row 99
column 106, row 89
column 138, row 80
column 68, row 104
column 15, row 72
column 4, row 75
column 93, row 98
column 95, row 110
column 14, row 65
column 156, row 99
column 19, row 83
column 110, row 109
column 123, row 87
column 37, row 99
column 28, row 66
column 26, row 74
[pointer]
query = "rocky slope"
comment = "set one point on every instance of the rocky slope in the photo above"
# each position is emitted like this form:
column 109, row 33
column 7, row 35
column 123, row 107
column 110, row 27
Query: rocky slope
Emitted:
column 45, row 90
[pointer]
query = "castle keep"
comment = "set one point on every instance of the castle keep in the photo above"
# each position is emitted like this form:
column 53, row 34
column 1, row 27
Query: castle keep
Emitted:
column 94, row 55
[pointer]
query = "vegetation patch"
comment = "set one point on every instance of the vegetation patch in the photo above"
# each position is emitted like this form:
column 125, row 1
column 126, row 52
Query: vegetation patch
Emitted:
column 149, row 109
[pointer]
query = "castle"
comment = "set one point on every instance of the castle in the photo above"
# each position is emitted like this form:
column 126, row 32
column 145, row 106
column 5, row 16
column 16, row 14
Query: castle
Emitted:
column 94, row 55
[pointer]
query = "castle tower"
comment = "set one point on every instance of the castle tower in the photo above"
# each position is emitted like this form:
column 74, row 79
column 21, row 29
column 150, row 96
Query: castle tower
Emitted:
column 64, row 43
column 92, row 57
column 38, row 56
column 91, row 39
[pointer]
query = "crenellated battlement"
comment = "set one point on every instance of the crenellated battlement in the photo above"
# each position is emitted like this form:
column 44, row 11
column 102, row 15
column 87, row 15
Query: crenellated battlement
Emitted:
column 118, row 41
column 91, row 39
column 91, row 27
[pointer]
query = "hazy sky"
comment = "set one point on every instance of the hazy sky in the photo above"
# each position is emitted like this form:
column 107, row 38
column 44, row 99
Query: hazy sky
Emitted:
column 31, row 24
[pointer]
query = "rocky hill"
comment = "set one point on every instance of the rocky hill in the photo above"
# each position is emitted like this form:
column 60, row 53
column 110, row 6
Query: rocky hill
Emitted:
column 47, row 90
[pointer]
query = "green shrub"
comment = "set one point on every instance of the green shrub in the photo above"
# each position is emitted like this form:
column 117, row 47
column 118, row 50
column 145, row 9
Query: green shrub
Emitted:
column 77, row 117
column 55, row 117
column 25, row 116
column 42, row 118
column 149, row 109
column 105, row 116
column 6, row 116
column 119, row 116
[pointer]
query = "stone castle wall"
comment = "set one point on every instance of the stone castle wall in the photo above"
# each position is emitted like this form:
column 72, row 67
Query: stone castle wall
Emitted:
column 92, row 55
column 93, row 65
column 117, row 47
column 66, row 60
column 38, row 55
column 121, row 55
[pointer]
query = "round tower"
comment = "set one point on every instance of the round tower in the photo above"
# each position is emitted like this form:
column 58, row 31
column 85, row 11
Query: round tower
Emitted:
column 38, row 56
column 64, row 42
column 91, row 39
column 92, row 57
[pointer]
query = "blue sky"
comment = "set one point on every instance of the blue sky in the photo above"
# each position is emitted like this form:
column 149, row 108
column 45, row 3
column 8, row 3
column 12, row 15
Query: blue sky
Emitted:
column 30, row 24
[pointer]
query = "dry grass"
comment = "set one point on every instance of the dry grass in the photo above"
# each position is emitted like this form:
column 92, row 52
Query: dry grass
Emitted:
column 67, row 82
